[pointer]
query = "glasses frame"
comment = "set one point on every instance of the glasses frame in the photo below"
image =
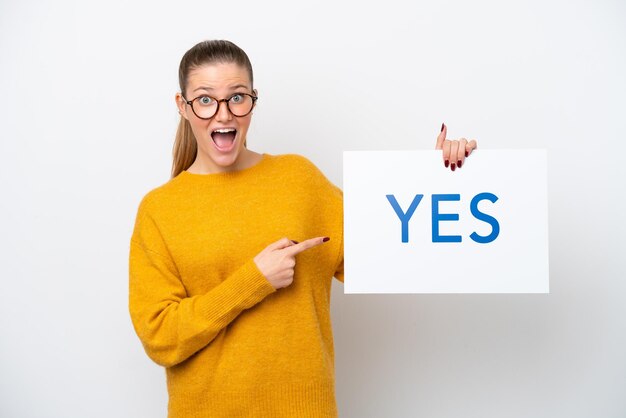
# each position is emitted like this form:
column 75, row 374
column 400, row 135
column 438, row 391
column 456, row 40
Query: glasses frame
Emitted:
column 227, row 100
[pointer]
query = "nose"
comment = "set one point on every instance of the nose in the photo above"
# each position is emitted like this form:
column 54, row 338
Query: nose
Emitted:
column 223, row 114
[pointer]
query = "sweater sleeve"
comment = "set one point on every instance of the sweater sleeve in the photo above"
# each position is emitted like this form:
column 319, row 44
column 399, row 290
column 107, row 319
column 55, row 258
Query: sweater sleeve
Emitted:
column 171, row 325
column 339, row 270
column 334, row 199
column 340, row 221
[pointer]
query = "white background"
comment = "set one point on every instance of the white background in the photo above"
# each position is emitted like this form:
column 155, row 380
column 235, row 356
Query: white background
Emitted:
column 87, row 123
column 378, row 261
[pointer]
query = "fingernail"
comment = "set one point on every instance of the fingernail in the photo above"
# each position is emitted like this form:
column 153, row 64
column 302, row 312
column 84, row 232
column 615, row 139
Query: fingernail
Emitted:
column 459, row 163
column 442, row 125
column 447, row 163
column 295, row 242
column 452, row 166
column 466, row 154
column 326, row 239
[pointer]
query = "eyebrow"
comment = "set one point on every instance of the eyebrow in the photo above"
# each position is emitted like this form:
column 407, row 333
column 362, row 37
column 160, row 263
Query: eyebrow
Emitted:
column 231, row 87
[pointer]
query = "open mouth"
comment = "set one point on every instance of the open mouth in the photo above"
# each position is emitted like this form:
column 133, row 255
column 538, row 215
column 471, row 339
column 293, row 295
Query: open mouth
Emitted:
column 224, row 138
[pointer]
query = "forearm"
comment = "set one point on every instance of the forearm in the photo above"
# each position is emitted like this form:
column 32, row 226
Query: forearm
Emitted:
column 173, row 326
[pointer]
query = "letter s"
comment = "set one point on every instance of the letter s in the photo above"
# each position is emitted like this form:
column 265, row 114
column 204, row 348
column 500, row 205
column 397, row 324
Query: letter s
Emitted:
column 495, row 226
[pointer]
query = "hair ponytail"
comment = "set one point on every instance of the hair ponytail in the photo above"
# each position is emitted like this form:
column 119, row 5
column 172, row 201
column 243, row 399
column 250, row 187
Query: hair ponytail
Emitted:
column 185, row 147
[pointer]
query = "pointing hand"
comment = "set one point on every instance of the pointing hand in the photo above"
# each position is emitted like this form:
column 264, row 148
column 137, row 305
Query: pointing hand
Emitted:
column 278, row 260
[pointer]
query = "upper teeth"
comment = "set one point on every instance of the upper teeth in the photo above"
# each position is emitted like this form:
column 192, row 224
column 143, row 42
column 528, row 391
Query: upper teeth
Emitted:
column 223, row 131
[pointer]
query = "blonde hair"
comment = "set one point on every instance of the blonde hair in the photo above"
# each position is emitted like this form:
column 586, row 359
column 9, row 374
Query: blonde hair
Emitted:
column 207, row 52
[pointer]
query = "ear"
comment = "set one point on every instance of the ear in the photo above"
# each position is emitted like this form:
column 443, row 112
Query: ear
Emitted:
column 256, row 93
column 182, row 106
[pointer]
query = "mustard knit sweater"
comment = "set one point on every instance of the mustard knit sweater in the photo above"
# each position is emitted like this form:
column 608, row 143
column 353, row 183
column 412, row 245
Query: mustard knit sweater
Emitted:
column 231, row 344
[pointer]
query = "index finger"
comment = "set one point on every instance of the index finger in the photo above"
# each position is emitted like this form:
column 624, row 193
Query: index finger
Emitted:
column 305, row 245
column 442, row 136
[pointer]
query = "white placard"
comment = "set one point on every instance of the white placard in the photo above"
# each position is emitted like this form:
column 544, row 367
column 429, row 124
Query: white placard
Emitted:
column 413, row 226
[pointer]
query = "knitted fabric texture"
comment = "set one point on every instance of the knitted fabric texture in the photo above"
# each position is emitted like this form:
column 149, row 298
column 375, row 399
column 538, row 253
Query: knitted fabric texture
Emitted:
column 231, row 344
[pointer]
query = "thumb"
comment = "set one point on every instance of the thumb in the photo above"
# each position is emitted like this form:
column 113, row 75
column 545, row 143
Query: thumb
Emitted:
column 442, row 136
column 280, row 244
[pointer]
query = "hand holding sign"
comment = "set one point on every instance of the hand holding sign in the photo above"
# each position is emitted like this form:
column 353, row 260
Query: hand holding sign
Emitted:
column 278, row 260
column 454, row 151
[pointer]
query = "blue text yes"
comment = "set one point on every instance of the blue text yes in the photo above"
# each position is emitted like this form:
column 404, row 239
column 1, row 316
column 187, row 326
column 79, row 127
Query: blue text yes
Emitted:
column 405, row 216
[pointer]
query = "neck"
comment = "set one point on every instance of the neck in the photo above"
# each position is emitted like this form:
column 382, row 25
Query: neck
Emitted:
column 246, row 159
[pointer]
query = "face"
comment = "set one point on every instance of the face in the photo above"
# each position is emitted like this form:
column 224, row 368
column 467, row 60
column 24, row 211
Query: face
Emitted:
column 225, row 151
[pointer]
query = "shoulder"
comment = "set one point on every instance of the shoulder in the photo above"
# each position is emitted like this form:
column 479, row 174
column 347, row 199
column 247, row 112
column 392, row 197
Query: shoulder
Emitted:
column 156, row 198
column 154, row 211
column 296, row 161
column 309, row 174
column 300, row 164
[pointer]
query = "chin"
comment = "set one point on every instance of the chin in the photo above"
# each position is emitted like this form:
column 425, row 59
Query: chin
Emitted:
column 225, row 160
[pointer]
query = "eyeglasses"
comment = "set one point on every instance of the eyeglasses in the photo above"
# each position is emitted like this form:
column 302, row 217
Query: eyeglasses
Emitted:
column 205, row 107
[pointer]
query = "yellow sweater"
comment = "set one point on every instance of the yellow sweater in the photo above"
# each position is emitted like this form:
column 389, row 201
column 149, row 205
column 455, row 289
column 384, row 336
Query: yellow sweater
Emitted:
column 231, row 344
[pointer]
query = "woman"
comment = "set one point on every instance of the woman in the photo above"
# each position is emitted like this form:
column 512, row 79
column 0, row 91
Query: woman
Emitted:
column 231, row 261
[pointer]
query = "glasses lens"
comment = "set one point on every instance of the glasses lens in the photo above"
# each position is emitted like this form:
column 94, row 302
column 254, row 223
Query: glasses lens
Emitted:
column 240, row 104
column 204, row 107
